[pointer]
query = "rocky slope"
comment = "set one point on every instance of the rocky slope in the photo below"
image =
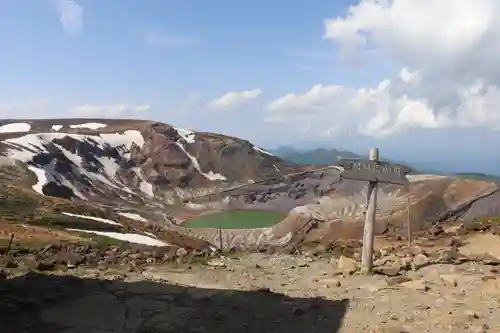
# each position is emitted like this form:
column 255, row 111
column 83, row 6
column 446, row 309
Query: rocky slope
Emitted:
column 97, row 159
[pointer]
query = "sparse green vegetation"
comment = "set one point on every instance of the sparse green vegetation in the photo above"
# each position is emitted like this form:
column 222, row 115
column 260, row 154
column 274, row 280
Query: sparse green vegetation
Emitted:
column 495, row 219
column 63, row 222
column 240, row 219
column 12, row 205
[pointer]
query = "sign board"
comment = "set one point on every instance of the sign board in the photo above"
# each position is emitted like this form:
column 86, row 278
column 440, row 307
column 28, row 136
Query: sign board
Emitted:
column 374, row 171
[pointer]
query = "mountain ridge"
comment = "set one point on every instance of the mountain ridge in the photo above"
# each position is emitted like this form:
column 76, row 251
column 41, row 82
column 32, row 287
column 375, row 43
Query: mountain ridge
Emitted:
column 139, row 181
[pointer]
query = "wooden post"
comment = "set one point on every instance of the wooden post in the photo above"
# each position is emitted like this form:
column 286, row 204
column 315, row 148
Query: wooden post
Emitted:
column 409, row 221
column 368, row 236
column 220, row 235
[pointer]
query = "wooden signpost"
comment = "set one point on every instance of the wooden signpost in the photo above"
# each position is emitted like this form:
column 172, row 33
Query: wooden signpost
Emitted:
column 373, row 171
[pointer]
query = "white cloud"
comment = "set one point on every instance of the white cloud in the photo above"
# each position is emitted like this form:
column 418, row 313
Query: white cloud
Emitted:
column 30, row 109
column 109, row 110
column 70, row 15
column 234, row 99
column 44, row 108
column 448, row 52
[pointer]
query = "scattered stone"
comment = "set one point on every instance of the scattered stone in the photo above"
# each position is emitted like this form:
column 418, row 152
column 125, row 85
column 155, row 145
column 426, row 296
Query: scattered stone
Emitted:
column 450, row 279
column 10, row 263
column 416, row 285
column 181, row 252
column 436, row 230
column 397, row 280
column 420, row 260
column 482, row 328
column 347, row 264
column 45, row 265
column 384, row 260
column 388, row 270
column 331, row 282
column 216, row 263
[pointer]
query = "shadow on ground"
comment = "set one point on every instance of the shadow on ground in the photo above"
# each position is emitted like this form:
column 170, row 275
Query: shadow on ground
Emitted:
column 48, row 304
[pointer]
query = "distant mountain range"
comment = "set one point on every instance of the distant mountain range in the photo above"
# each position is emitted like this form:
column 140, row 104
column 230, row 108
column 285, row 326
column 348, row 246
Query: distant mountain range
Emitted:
column 320, row 156
column 324, row 156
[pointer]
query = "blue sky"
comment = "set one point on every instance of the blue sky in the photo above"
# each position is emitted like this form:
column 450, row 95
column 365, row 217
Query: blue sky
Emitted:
column 348, row 72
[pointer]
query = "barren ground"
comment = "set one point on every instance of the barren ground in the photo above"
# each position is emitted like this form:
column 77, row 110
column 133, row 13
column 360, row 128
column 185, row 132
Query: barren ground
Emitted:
column 265, row 293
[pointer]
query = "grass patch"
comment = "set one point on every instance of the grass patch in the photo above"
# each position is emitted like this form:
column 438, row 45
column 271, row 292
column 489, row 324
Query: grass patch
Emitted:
column 12, row 206
column 494, row 219
column 63, row 222
column 239, row 219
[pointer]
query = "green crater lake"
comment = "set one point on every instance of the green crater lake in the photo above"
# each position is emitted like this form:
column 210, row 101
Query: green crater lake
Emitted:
column 238, row 219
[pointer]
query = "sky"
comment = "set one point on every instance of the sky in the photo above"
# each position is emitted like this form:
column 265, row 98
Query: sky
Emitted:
column 418, row 78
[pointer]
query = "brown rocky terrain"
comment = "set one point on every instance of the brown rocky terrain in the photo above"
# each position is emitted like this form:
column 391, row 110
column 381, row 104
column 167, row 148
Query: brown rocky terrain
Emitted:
column 446, row 281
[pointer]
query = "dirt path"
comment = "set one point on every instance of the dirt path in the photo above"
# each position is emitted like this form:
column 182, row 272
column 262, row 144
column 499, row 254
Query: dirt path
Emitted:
column 254, row 293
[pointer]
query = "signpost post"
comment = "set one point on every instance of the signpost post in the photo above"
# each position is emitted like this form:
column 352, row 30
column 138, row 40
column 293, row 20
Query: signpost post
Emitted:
column 373, row 171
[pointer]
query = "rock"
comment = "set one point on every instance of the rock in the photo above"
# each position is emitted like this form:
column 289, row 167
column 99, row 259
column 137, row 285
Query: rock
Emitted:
column 151, row 261
column 420, row 260
column 479, row 328
column 216, row 263
column 449, row 279
column 436, row 230
column 456, row 279
column 347, row 264
column 487, row 259
column 386, row 252
column 331, row 282
column 390, row 328
column 45, row 265
column 451, row 256
column 74, row 259
column 492, row 287
column 10, row 263
column 416, row 285
column 471, row 314
column 397, row 280
column 181, row 252
column 384, row 260
column 388, row 270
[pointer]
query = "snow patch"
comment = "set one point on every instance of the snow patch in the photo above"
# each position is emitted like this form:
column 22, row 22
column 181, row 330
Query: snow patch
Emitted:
column 15, row 127
column 144, row 186
column 92, row 126
column 26, row 147
column 42, row 176
column 416, row 178
column 57, row 127
column 133, row 216
column 125, row 139
column 98, row 219
column 209, row 175
column 131, row 238
column 276, row 168
column 260, row 150
column 187, row 135
column 150, row 234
